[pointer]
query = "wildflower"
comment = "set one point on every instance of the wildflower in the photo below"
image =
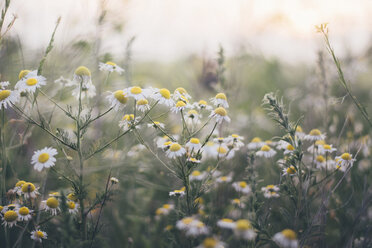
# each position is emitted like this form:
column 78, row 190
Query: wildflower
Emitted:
column 23, row 73
column 345, row 159
column 30, row 82
column 18, row 187
column 299, row 132
column 242, row 187
column 180, row 106
column 175, row 150
column 192, row 226
column 8, row 97
column 127, row 121
column 73, row 207
column 220, row 114
column 289, row 149
column 193, row 117
column 10, row 207
column 82, row 76
column 181, row 93
column 220, row 100
column 224, row 179
column 210, row 149
column 291, row 170
column 29, row 190
column 270, row 191
column 197, row 175
column 110, row 66
column 314, row 148
column 72, row 197
column 320, row 161
column 10, row 218
column 117, row 99
column 255, row 143
column 52, row 205
column 266, row 151
column 166, row 145
column 282, row 145
column 193, row 160
column 211, row 243
column 286, row 239
column 156, row 124
column 235, row 140
column 243, row 229
column 223, row 151
column 326, row 149
column 44, row 158
column 88, row 90
column 164, row 210
column 226, row 223
column 314, row 135
column 178, row 192
column 114, row 180
column 202, row 105
column 143, row 105
column 238, row 202
column 38, row 235
column 24, row 213
column 136, row 92
column 193, row 144
column 163, row 96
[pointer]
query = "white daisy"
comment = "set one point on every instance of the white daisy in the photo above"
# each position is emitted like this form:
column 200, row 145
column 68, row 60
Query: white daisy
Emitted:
column 88, row 90
column 226, row 223
column 243, row 229
column 242, row 187
column 286, row 239
column 299, row 132
column 270, row 191
column 193, row 144
column 291, row 170
column 314, row 135
column 197, row 175
column 159, row 141
column 192, row 117
column 127, row 121
column 143, row 105
column 51, row 205
column 235, row 141
column 221, row 151
column 114, row 180
column 44, row 158
column 320, row 161
column 175, row 150
column 29, row 190
column 38, row 235
column 180, row 105
column 73, row 207
column 194, row 160
column 24, row 214
column 165, row 209
column 345, row 159
column 8, row 97
column 117, row 99
column 209, row 150
column 9, row 207
column 266, row 151
column 238, row 202
column 30, row 82
column 211, row 243
column 178, row 192
column 82, row 76
column 224, row 179
column 136, row 92
column 220, row 114
column 282, row 145
column 255, row 143
column 181, row 93
column 10, row 218
column 202, row 105
column 326, row 149
column 18, row 187
column 110, row 66
column 157, row 124
column 315, row 147
column 220, row 100
column 289, row 149
column 163, row 96
column 192, row 226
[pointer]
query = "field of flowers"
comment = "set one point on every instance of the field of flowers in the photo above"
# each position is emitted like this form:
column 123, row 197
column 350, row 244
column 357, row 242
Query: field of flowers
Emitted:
column 237, row 151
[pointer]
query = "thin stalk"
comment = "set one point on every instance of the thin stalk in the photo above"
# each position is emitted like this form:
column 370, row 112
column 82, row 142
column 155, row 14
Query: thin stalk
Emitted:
column 3, row 157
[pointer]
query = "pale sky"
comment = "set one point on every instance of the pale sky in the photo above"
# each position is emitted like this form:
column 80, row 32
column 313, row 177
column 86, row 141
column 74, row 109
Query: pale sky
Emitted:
column 167, row 29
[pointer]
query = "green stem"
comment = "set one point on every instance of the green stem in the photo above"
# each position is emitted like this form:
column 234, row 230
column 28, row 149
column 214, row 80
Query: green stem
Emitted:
column 3, row 157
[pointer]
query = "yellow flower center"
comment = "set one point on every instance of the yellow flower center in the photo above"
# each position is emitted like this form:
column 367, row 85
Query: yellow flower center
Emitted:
column 227, row 220
column 299, row 129
column 194, row 141
column 209, row 243
column 236, row 201
column 243, row 225
column 224, row 178
column 192, row 113
column 10, row 216
column 168, row 143
column 220, row 111
column 315, row 132
column 82, row 71
column 24, row 211
column 43, row 157
column 346, row 156
column 165, row 93
column 235, row 136
column 128, row 117
column 23, row 73
column 166, row 206
column 320, row 159
column 291, row 170
column 256, row 140
column 39, row 234
column 187, row 220
column 327, row 147
column 142, row 102
column 110, row 63
column 31, row 81
column 202, row 102
column 265, row 148
column 181, row 90
column 52, row 202
column 28, row 188
column 4, row 94
column 120, row 96
column 180, row 104
column 290, row 147
column 270, row 186
column 136, row 90
column 175, row 147
column 221, row 150
column 20, row 183
column 221, row 96
column 320, row 142
column 196, row 173
column 72, row 197
column 242, row 184
column 71, row 205
column 289, row 234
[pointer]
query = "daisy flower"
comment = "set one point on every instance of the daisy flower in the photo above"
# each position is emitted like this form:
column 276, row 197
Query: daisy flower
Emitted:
column 8, row 97
column 282, row 145
column 181, row 93
column 202, row 105
column 270, row 191
column 180, row 106
column 192, row 117
column 44, row 158
column 299, row 132
column 24, row 214
column 192, row 226
column 73, row 207
column 117, row 99
column 221, row 151
column 291, row 170
column 255, row 143
column 10, row 218
column 156, row 124
column 18, row 187
column 52, row 205
column 242, row 187
column 226, row 223
column 82, row 76
column 193, row 144
column 23, row 73
column 314, row 135
column 110, row 66
column 266, row 151
column 114, row 180
column 3, row 85
column 166, row 145
column 224, row 179
column 320, row 161
column 220, row 114
column 127, row 121
column 10, row 207
column 38, row 235
column 175, row 150
column 29, row 190
column 143, row 105
column 163, row 96
column 237, row 202
column 345, row 159
column 178, row 192
column 235, row 141
column 165, row 209
column 326, row 149
column 211, row 243
column 243, row 229
column 88, row 90
column 30, row 82
column 210, row 150
column 193, row 160
column 220, row 100
column 314, row 148
column 286, row 239
column 72, row 197
column 160, row 140
column 136, row 92
column 289, row 149
column 197, row 175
